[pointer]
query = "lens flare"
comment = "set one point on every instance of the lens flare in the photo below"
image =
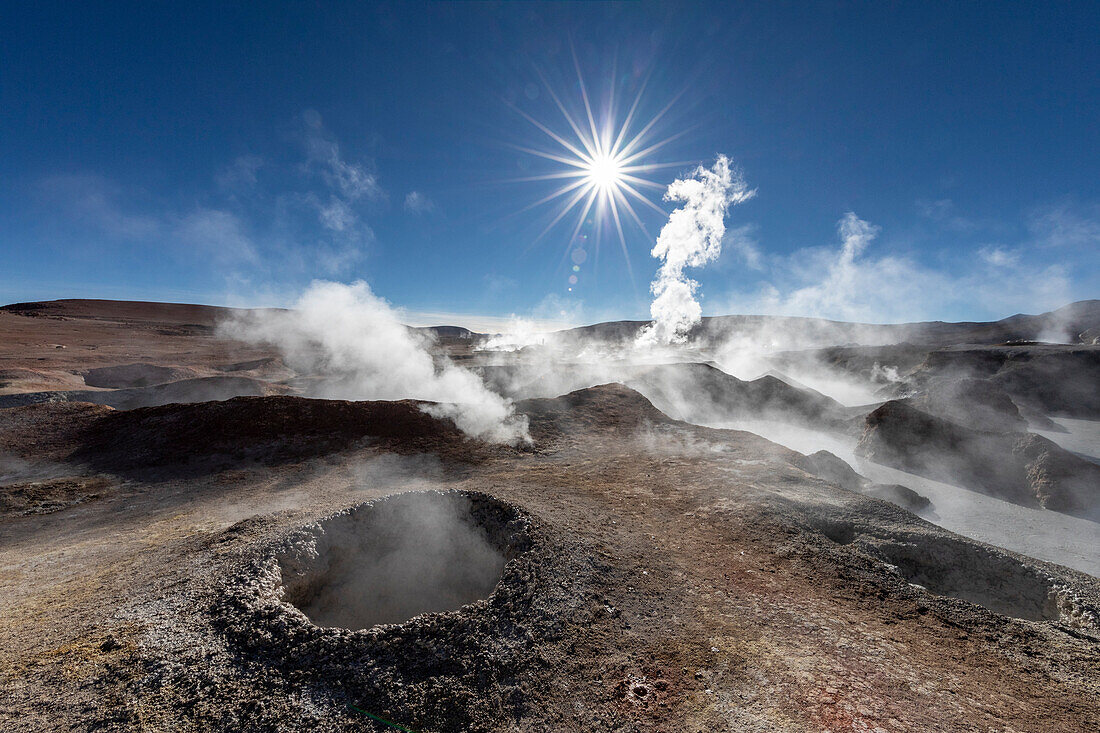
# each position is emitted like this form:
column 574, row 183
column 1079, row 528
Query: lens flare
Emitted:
column 605, row 161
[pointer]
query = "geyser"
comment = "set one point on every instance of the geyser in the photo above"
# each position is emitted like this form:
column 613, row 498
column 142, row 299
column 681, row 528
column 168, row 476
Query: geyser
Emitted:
column 390, row 560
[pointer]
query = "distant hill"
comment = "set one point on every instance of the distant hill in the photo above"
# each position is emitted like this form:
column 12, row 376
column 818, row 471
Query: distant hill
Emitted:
column 123, row 310
column 168, row 313
column 1075, row 323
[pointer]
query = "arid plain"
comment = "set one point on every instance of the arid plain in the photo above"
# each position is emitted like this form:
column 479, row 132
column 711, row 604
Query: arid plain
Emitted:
column 194, row 536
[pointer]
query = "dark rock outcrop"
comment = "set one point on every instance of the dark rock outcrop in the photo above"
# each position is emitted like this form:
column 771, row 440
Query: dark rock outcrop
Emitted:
column 832, row 469
column 1048, row 379
column 903, row 496
column 268, row 430
column 202, row 389
column 976, row 403
column 612, row 408
column 702, row 388
column 135, row 375
column 1022, row 468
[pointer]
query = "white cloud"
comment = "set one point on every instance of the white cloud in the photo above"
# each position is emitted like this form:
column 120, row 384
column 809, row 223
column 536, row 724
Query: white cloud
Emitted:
column 999, row 256
column 944, row 213
column 849, row 283
column 95, row 201
column 336, row 215
column 240, row 174
column 351, row 180
column 1064, row 225
column 418, row 203
column 219, row 234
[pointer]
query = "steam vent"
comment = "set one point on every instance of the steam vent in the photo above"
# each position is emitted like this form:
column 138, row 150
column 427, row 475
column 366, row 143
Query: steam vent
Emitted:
column 390, row 560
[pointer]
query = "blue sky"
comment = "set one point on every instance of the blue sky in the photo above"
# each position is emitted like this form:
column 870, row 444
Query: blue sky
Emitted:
column 226, row 154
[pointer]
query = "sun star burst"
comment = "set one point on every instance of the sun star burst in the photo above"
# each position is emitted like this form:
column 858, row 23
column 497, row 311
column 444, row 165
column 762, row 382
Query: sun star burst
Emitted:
column 604, row 173
column 605, row 163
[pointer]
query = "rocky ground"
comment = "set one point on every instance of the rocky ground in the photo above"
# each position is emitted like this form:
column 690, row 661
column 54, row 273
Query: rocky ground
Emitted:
column 657, row 575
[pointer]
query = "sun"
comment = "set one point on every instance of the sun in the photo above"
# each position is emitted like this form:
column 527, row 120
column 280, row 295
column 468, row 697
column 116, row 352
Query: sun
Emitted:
column 605, row 174
column 605, row 159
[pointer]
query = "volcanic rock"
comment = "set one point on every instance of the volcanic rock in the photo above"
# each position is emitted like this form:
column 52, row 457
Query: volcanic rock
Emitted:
column 202, row 389
column 607, row 408
column 1049, row 379
column 977, row 403
column 831, row 468
column 834, row 469
column 704, row 393
column 660, row 575
column 136, row 375
column 903, row 496
column 1027, row 469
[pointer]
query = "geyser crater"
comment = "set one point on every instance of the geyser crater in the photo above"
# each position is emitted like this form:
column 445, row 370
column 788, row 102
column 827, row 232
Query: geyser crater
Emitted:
column 387, row 561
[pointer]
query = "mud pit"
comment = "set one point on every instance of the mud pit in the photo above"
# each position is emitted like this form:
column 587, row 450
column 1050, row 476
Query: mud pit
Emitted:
column 396, row 558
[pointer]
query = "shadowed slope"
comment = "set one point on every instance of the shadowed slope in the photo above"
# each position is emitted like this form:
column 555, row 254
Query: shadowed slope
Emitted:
column 1023, row 468
column 193, row 438
column 607, row 408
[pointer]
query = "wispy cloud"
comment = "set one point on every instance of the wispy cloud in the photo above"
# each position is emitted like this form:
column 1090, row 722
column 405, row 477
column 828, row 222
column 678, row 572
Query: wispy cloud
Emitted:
column 853, row 283
column 240, row 174
column 259, row 220
column 1066, row 225
column 216, row 233
column 944, row 213
column 347, row 184
column 95, row 201
column 99, row 204
column 336, row 215
column 741, row 242
column 999, row 256
column 352, row 180
column 495, row 283
column 562, row 311
column 418, row 203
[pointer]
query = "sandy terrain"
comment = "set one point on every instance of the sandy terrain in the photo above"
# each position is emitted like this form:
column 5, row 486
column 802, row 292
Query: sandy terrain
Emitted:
column 45, row 346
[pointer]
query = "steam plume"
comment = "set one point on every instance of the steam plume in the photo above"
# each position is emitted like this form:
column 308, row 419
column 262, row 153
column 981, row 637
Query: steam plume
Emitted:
column 354, row 340
column 692, row 237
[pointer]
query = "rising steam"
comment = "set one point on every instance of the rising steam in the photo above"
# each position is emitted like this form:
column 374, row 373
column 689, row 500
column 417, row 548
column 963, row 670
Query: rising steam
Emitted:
column 354, row 342
column 691, row 238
